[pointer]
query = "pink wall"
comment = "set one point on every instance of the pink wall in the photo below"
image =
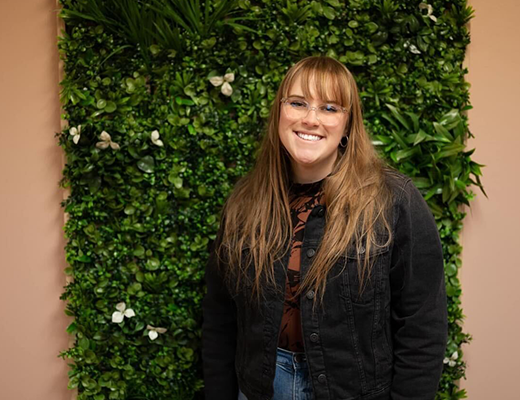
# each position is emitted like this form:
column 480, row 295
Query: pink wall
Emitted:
column 32, row 329
column 32, row 321
column 491, row 267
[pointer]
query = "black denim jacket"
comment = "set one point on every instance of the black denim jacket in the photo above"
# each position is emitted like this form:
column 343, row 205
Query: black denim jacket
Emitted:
column 387, row 344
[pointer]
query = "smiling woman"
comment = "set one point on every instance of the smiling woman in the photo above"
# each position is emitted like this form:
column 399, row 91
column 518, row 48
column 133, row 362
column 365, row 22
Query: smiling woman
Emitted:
column 326, row 279
column 311, row 134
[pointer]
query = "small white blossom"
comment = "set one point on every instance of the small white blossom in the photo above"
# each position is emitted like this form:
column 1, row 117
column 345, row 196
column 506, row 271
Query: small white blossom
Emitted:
column 76, row 133
column 451, row 360
column 429, row 14
column 216, row 80
column 106, row 141
column 119, row 316
column 153, row 332
column 155, row 139
column 226, row 88
column 414, row 49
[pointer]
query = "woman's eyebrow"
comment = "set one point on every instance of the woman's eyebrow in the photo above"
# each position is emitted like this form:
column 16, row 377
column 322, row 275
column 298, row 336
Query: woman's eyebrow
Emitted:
column 302, row 97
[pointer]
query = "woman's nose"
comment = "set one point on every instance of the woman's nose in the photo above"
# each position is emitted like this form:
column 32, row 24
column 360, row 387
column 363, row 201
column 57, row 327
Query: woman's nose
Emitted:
column 311, row 118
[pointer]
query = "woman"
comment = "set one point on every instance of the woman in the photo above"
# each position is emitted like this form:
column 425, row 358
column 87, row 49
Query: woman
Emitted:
column 326, row 279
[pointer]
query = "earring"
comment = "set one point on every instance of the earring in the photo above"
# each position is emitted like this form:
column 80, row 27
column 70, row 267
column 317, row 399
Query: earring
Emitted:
column 344, row 141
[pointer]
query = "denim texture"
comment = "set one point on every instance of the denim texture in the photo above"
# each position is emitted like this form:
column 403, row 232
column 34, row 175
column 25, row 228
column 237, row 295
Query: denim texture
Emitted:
column 388, row 343
column 291, row 379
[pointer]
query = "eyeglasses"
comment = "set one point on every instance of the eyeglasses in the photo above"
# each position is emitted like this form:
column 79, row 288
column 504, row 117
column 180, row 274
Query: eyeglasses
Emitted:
column 327, row 114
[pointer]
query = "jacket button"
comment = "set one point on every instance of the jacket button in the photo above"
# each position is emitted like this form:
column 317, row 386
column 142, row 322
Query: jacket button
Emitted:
column 322, row 378
column 314, row 337
column 311, row 252
column 321, row 212
column 310, row 294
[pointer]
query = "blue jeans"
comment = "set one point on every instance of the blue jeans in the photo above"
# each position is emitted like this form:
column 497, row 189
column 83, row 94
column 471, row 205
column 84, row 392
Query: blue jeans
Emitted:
column 291, row 381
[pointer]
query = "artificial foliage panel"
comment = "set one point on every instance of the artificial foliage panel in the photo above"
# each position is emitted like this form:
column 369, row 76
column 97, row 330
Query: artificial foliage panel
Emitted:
column 166, row 101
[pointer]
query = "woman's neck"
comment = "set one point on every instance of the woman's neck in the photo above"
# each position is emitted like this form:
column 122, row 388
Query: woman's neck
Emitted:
column 310, row 174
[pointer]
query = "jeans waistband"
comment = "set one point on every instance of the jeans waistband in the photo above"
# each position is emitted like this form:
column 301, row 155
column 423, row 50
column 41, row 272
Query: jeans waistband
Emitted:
column 291, row 359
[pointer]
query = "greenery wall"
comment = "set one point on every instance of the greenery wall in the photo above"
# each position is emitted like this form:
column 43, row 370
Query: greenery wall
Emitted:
column 153, row 148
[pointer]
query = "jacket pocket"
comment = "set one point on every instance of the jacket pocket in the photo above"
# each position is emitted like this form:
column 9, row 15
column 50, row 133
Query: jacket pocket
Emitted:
column 359, row 287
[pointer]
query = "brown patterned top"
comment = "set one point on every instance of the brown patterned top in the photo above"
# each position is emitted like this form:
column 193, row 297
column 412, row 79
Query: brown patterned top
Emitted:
column 303, row 198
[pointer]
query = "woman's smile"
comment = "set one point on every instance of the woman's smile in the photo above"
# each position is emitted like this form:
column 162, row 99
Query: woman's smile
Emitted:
column 308, row 137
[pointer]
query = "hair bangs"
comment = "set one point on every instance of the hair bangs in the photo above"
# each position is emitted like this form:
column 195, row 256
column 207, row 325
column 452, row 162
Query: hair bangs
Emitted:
column 324, row 81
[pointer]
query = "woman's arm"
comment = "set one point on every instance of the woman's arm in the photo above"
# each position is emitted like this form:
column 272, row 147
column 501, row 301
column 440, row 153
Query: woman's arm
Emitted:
column 418, row 303
column 219, row 330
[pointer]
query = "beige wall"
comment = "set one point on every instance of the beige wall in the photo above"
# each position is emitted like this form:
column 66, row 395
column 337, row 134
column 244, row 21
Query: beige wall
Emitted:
column 32, row 321
column 491, row 269
column 32, row 328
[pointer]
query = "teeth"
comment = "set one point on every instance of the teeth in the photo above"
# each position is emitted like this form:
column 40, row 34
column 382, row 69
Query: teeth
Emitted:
column 308, row 137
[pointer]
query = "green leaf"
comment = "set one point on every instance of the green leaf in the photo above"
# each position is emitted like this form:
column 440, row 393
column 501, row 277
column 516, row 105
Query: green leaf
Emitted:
column 397, row 115
column 451, row 119
column 421, row 183
column 139, row 251
column 406, row 153
column 129, row 210
column 72, row 328
column 177, row 182
column 110, row 107
column 84, row 343
column 329, row 12
column 415, row 120
column 419, row 137
column 451, row 269
column 184, row 102
column 450, row 150
column 334, row 3
column 153, row 264
column 146, row 164
column 442, row 131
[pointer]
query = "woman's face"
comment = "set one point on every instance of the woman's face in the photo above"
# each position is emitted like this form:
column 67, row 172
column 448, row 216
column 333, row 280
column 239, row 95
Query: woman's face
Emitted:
column 311, row 144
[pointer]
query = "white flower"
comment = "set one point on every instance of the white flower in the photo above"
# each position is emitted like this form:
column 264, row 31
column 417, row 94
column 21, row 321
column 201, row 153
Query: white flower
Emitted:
column 451, row 361
column 429, row 14
column 226, row 88
column 155, row 139
column 153, row 332
column 76, row 133
column 414, row 49
column 106, row 141
column 123, row 312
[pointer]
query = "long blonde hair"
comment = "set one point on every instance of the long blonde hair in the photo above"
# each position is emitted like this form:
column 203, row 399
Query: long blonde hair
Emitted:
column 256, row 219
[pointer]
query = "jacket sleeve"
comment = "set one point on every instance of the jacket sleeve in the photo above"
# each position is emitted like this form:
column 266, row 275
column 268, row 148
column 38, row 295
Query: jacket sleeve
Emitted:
column 419, row 318
column 219, row 335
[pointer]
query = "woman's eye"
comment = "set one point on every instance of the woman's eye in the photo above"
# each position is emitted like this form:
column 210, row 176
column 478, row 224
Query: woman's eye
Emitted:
column 298, row 104
column 330, row 108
